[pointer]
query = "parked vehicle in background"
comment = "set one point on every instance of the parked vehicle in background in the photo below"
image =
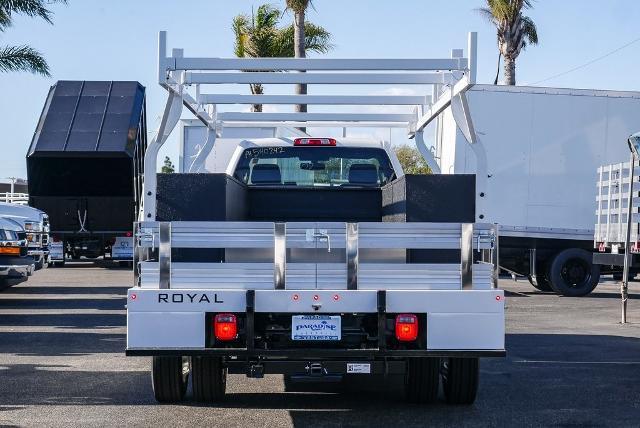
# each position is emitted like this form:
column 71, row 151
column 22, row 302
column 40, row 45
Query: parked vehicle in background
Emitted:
column 535, row 167
column 36, row 226
column 617, row 196
column 15, row 263
column 88, row 178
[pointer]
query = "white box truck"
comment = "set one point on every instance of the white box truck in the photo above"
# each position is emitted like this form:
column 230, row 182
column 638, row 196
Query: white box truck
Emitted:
column 537, row 155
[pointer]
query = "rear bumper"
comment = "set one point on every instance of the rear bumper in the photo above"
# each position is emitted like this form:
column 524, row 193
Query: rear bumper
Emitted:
column 15, row 271
column 317, row 354
column 174, row 322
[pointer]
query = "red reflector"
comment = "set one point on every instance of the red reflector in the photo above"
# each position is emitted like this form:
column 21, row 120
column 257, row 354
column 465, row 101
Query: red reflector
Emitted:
column 129, row 234
column 406, row 327
column 225, row 327
column 314, row 142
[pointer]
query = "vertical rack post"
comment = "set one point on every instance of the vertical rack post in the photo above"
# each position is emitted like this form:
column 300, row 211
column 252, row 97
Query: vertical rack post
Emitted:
column 164, row 254
column 279, row 255
column 352, row 256
column 466, row 256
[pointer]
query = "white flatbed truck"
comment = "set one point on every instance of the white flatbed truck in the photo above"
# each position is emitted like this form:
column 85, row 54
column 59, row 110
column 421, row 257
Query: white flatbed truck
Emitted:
column 309, row 258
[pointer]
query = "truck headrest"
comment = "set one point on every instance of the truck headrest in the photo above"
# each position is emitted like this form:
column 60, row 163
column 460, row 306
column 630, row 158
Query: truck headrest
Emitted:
column 266, row 173
column 363, row 174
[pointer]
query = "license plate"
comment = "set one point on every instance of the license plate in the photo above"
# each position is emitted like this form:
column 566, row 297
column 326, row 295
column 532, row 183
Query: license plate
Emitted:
column 359, row 368
column 316, row 327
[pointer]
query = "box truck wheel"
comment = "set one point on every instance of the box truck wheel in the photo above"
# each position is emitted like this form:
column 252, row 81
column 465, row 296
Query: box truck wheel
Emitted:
column 573, row 274
column 422, row 379
column 169, row 377
column 460, row 380
column 209, row 378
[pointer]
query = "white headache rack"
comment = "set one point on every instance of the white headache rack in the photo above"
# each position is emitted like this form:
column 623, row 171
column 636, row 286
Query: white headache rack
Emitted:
column 195, row 83
column 614, row 182
column 359, row 256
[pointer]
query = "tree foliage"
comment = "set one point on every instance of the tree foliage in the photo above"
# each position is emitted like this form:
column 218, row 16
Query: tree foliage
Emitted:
column 168, row 166
column 514, row 31
column 24, row 58
column 411, row 160
column 260, row 35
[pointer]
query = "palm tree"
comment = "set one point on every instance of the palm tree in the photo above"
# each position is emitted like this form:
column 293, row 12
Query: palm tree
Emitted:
column 515, row 31
column 258, row 36
column 23, row 58
column 299, row 9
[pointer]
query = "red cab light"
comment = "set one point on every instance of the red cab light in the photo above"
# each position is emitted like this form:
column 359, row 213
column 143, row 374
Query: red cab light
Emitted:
column 225, row 327
column 406, row 327
column 314, row 142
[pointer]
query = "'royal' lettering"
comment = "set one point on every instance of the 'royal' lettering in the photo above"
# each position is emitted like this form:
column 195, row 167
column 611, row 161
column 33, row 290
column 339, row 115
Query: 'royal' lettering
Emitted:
column 191, row 298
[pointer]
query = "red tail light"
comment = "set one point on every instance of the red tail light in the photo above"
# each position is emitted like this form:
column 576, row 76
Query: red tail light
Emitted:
column 129, row 234
column 314, row 142
column 406, row 327
column 225, row 327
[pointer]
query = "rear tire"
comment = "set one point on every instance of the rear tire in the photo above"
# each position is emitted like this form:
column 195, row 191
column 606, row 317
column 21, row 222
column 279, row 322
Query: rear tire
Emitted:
column 573, row 274
column 422, row 380
column 460, row 378
column 209, row 378
column 169, row 377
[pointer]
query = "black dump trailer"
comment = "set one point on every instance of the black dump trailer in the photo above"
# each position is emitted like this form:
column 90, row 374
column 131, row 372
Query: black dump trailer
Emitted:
column 85, row 163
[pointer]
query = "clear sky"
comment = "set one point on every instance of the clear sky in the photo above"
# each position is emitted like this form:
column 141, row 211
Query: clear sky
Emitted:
column 116, row 40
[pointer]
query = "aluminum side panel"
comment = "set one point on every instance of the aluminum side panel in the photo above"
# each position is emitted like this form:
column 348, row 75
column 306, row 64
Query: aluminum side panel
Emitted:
column 465, row 331
column 302, row 301
column 446, row 301
column 165, row 330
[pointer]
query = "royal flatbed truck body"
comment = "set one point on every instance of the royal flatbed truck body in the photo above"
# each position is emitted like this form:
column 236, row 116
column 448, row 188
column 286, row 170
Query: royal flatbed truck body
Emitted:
column 316, row 258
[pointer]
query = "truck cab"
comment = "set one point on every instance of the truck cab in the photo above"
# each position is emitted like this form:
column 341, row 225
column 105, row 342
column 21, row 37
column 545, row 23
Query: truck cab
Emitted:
column 314, row 163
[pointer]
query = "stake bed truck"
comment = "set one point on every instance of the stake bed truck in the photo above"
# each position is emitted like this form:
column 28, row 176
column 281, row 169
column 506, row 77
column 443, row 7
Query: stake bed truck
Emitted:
column 312, row 257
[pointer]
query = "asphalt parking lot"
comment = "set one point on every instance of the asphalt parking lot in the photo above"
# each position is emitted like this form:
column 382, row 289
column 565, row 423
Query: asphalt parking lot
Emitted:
column 62, row 363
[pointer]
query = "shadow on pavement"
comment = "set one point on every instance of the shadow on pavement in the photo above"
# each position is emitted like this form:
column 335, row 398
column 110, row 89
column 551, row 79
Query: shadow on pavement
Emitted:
column 105, row 304
column 560, row 380
column 64, row 290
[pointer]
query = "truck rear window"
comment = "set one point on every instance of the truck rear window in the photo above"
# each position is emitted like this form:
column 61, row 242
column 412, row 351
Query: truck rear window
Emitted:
column 314, row 166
